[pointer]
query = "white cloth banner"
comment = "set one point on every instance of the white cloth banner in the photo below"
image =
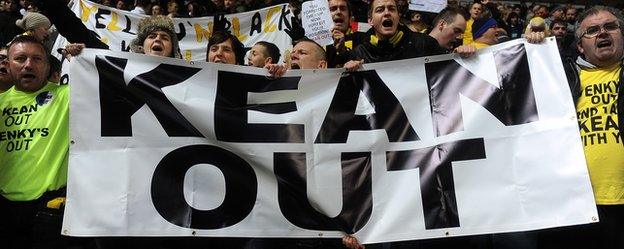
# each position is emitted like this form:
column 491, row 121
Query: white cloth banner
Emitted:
column 117, row 28
column 434, row 6
column 421, row 148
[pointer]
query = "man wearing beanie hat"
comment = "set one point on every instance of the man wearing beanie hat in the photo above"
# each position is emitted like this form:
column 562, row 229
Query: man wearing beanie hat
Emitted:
column 485, row 32
column 36, row 25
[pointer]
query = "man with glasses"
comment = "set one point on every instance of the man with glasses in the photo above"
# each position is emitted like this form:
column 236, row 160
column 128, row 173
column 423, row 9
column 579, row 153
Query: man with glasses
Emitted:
column 595, row 82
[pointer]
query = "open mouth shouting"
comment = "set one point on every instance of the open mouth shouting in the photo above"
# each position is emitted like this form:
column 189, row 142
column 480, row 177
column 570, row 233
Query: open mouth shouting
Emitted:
column 157, row 47
column 387, row 23
column 604, row 44
column 338, row 21
column 28, row 76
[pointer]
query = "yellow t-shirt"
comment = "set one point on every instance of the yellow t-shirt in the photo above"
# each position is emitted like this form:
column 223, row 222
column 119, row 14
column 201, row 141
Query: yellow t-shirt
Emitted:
column 597, row 115
column 34, row 141
column 468, row 32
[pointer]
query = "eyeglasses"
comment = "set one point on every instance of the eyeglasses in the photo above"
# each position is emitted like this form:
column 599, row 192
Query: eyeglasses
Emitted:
column 593, row 31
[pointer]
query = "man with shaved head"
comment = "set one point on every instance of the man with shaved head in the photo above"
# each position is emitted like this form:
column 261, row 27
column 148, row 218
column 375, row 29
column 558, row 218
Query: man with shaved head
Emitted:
column 307, row 54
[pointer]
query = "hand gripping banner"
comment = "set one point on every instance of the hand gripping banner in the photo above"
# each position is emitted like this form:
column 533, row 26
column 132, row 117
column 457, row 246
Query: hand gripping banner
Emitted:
column 421, row 148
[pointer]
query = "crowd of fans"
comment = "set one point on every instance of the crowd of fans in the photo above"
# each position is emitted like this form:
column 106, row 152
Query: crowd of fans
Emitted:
column 590, row 44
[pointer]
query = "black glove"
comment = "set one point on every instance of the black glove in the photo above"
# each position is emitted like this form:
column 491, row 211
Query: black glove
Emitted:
column 221, row 23
column 296, row 31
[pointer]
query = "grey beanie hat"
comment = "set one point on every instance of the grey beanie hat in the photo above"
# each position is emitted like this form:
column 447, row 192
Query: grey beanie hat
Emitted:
column 151, row 24
column 33, row 20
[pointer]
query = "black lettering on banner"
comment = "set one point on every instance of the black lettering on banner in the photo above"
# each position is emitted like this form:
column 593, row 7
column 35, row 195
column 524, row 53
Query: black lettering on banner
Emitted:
column 512, row 103
column 168, row 188
column 118, row 101
column 256, row 24
column 128, row 26
column 389, row 114
column 98, row 16
column 124, row 47
column 283, row 20
column 64, row 79
column 436, row 176
column 231, row 107
column 182, row 33
column 357, row 201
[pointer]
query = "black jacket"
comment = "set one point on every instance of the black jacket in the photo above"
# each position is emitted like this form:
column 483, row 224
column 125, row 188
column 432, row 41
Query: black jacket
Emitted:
column 68, row 25
column 411, row 45
column 574, row 81
column 336, row 57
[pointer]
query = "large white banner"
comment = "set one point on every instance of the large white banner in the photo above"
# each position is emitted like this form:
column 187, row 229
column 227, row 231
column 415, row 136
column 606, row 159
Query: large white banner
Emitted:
column 117, row 28
column 421, row 148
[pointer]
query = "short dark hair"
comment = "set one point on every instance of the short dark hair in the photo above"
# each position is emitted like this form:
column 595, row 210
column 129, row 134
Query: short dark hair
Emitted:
column 29, row 39
column 560, row 22
column 578, row 33
column 370, row 7
column 320, row 49
column 271, row 51
column 448, row 15
column 348, row 7
column 237, row 46
column 476, row 2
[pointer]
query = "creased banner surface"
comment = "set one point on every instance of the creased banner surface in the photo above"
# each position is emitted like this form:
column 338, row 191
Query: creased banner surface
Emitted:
column 421, row 148
column 117, row 28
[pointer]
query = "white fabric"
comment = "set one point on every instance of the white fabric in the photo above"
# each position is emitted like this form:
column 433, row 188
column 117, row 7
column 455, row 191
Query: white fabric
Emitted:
column 534, row 175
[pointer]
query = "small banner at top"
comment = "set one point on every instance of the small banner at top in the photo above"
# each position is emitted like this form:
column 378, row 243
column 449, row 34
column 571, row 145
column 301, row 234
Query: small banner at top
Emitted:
column 117, row 28
column 434, row 6
column 421, row 148
column 317, row 21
